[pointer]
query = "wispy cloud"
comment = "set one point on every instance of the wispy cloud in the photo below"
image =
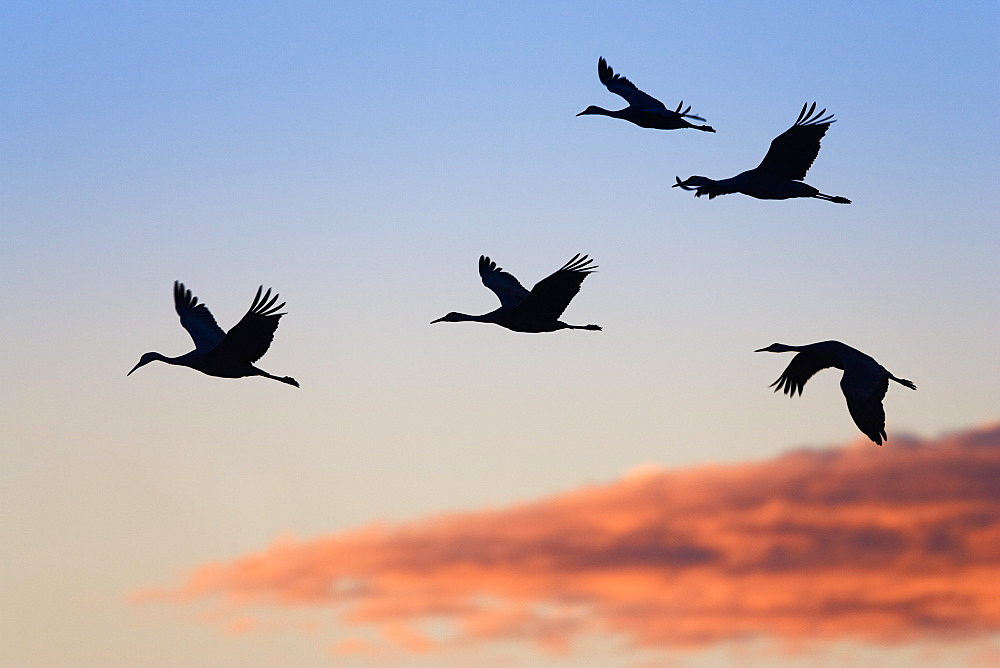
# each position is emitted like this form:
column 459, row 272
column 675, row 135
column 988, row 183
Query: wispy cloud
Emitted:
column 882, row 545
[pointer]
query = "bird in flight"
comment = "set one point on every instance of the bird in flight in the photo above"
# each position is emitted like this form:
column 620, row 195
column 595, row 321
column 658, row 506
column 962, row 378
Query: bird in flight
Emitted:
column 779, row 175
column 218, row 353
column 535, row 311
column 864, row 383
column 643, row 110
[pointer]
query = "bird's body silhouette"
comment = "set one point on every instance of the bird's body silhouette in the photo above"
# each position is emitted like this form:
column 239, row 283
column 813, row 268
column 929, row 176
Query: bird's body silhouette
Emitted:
column 644, row 110
column 780, row 173
column 217, row 353
column 864, row 383
column 535, row 311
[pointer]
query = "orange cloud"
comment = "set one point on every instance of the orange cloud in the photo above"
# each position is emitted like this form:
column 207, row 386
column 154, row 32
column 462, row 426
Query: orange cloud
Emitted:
column 882, row 545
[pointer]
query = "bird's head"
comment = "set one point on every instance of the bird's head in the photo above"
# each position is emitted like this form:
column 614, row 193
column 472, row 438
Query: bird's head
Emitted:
column 774, row 348
column 451, row 317
column 591, row 110
column 691, row 182
column 146, row 359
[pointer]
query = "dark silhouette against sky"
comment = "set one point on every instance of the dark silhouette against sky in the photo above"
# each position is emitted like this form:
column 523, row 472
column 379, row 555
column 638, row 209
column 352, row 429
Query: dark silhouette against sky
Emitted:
column 217, row 353
column 864, row 384
column 780, row 173
column 643, row 109
column 534, row 311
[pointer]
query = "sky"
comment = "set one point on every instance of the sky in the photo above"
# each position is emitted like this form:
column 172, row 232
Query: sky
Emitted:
column 359, row 158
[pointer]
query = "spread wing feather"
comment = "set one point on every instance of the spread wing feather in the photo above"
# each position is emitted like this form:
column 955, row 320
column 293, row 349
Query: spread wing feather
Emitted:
column 864, row 388
column 637, row 99
column 250, row 338
column 802, row 367
column 619, row 85
column 551, row 295
column 793, row 151
column 196, row 319
column 507, row 288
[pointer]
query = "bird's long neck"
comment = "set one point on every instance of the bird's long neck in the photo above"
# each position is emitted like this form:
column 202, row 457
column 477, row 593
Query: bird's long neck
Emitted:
column 157, row 357
column 600, row 111
column 465, row 317
column 702, row 185
column 187, row 359
column 151, row 357
column 725, row 186
column 822, row 346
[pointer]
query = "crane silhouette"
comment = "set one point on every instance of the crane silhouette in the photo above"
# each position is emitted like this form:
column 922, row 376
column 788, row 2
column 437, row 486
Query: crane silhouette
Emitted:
column 779, row 175
column 535, row 311
column 217, row 353
column 864, row 383
column 644, row 110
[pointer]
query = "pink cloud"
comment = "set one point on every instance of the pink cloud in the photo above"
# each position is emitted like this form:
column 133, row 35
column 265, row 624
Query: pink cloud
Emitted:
column 883, row 545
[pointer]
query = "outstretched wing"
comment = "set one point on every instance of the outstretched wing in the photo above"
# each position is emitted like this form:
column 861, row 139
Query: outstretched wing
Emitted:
column 250, row 338
column 619, row 85
column 793, row 151
column 802, row 367
column 864, row 388
column 550, row 296
column 196, row 319
column 507, row 288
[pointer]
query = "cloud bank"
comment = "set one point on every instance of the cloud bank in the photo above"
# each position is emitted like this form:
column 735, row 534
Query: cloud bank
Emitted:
column 880, row 545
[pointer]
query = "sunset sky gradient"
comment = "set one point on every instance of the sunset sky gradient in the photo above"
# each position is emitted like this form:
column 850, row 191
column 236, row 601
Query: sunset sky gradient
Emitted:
column 585, row 499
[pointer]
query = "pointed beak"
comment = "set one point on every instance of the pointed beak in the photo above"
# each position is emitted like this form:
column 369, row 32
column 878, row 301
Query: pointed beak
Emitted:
column 438, row 320
column 761, row 350
column 134, row 368
column 580, row 114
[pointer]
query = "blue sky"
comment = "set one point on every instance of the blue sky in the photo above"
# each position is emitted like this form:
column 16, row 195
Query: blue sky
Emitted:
column 359, row 158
